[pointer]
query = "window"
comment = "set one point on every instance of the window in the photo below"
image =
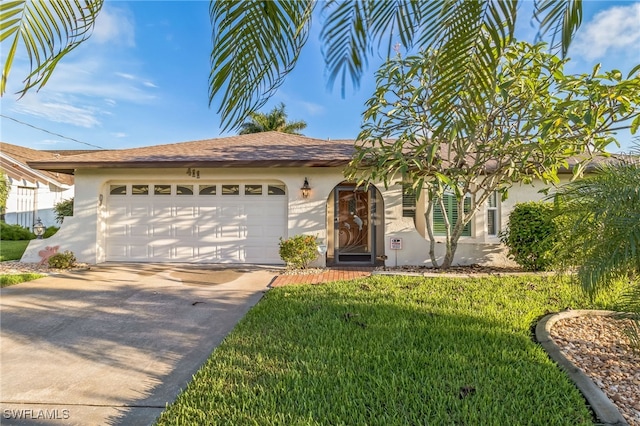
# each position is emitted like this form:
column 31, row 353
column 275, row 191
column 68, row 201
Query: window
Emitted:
column 230, row 189
column 140, row 189
column 451, row 210
column 118, row 190
column 276, row 190
column 493, row 223
column 253, row 190
column 162, row 189
column 408, row 201
column 184, row 189
column 207, row 190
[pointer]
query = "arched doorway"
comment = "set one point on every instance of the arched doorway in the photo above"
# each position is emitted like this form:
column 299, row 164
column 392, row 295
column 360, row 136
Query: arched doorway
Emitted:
column 355, row 217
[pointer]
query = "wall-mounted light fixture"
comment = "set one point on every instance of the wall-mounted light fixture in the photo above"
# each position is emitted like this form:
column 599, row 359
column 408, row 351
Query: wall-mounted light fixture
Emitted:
column 100, row 198
column 306, row 189
column 39, row 229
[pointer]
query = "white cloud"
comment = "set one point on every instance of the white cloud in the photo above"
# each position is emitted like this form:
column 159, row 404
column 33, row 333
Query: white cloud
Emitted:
column 125, row 75
column 312, row 108
column 613, row 29
column 119, row 135
column 149, row 84
column 59, row 110
column 115, row 26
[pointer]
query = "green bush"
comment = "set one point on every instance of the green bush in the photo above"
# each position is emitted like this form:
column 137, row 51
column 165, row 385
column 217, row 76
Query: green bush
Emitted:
column 531, row 235
column 15, row 232
column 62, row 209
column 64, row 260
column 51, row 230
column 297, row 252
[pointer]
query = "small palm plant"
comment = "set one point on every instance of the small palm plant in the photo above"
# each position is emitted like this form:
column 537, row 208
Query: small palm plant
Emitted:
column 601, row 214
column 275, row 120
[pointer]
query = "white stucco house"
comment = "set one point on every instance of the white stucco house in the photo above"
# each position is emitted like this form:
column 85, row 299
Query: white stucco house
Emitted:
column 230, row 200
column 32, row 192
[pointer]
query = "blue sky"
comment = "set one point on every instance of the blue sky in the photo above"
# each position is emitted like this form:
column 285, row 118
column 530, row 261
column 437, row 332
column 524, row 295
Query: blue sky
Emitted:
column 142, row 79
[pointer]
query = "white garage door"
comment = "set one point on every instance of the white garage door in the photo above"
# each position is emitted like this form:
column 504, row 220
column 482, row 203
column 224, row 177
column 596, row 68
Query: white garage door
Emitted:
column 205, row 222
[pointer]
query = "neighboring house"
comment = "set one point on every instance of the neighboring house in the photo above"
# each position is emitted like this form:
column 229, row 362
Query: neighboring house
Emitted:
column 230, row 200
column 32, row 193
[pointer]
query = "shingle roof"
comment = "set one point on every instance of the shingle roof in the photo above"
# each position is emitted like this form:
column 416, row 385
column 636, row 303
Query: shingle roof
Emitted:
column 272, row 149
column 24, row 156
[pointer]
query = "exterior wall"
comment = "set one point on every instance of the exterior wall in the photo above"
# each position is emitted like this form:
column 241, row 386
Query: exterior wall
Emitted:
column 43, row 197
column 84, row 233
column 479, row 248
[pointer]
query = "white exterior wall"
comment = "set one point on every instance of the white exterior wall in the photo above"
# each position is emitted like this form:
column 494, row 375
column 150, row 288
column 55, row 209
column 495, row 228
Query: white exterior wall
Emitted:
column 83, row 233
column 479, row 248
column 45, row 197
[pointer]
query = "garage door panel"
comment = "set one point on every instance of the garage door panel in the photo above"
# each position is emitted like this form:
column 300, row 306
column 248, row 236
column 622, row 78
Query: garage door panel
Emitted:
column 185, row 252
column 161, row 252
column 162, row 230
column 117, row 251
column 117, row 230
column 188, row 212
column 138, row 252
column 137, row 230
column 211, row 228
column 183, row 231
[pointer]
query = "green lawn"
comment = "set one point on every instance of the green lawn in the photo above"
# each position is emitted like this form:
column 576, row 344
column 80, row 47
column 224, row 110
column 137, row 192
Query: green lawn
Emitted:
column 390, row 351
column 11, row 279
column 12, row 250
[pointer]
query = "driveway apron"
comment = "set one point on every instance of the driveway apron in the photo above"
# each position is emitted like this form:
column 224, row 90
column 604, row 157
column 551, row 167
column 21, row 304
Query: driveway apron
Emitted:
column 116, row 343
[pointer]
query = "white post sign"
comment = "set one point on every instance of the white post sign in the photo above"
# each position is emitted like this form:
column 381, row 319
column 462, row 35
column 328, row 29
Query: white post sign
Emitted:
column 396, row 243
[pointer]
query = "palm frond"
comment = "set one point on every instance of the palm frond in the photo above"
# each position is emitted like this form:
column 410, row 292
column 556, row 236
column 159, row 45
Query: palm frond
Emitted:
column 345, row 35
column 255, row 44
column 560, row 18
column 470, row 37
column 47, row 31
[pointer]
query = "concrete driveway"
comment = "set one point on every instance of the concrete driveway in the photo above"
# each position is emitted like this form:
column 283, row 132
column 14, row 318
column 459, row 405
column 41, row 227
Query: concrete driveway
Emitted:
column 114, row 344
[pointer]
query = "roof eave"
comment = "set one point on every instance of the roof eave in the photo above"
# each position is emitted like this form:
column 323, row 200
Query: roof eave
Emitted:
column 70, row 166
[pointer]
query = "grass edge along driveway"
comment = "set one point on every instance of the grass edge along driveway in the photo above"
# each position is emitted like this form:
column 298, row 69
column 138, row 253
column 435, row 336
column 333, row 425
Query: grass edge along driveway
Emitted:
column 391, row 351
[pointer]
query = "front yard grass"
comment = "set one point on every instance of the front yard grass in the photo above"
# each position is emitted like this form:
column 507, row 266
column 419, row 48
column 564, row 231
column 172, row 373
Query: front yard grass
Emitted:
column 391, row 351
column 12, row 250
column 11, row 279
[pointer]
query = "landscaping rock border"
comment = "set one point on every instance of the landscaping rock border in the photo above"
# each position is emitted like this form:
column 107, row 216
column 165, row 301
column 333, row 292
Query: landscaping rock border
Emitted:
column 604, row 408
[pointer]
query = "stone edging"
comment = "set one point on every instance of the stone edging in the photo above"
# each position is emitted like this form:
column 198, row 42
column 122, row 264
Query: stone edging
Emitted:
column 461, row 275
column 605, row 410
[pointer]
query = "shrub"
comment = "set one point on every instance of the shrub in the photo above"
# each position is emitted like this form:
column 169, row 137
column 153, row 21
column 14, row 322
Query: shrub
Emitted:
column 64, row 260
column 531, row 235
column 15, row 232
column 297, row 252
column 50, row 231
column 63, row 209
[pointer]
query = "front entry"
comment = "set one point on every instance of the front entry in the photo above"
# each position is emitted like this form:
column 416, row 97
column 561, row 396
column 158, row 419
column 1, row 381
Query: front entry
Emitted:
column 354, row 239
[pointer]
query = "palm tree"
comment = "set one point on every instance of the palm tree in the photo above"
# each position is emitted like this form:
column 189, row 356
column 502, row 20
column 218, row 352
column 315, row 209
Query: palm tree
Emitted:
column 600, row 217
column 257, row 43
column 275, row 120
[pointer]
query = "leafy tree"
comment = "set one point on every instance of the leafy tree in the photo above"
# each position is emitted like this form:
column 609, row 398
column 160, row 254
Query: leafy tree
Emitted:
column 528, row 126
column 275, row 120
column 257, row 43
column 62, row 209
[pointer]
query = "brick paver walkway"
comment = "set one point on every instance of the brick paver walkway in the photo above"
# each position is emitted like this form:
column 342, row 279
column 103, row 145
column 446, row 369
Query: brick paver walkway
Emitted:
column 327, row 275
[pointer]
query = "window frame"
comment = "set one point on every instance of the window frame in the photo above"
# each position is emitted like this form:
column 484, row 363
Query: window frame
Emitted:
column 451, row 207
column 493, row 199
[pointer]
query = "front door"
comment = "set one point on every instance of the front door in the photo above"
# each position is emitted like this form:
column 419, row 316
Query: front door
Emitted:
column 354, row 239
